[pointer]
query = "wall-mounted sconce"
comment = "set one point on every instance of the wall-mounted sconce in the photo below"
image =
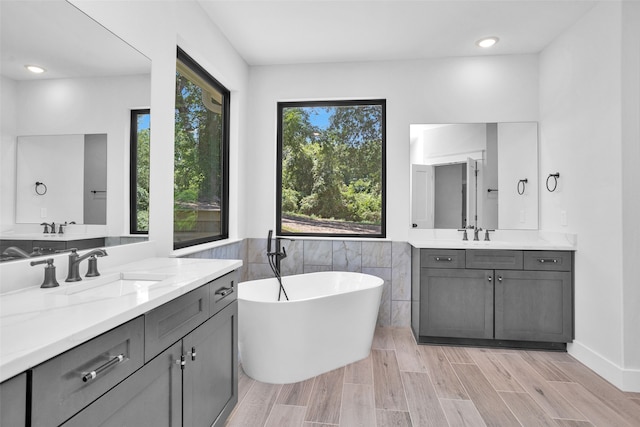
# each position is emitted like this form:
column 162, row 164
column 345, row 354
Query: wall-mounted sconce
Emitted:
column 522, row 184
column 555, row 177
column 41, row 188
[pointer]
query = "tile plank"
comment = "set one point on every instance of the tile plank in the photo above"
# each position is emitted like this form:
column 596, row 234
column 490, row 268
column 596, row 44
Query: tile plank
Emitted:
column 593, row 382
column 627, row 408
column 326, row 396
column 457, row 355
column 492, row 408
column 442, row 375
column 388, row 390
column 358, row 406
column 424, row 405
column 462, row 413
column 360, row 372
column 498, row 376
column 386, row 418
column 590, row 405
column 526, row 410
column 407, row 351
column 286, row 416
column 573, row 423
column 542, row 392
column 383, row 338
column 296, row 394
column 547, row 369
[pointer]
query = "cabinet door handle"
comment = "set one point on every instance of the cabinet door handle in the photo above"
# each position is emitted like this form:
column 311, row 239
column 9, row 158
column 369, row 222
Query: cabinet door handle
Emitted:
column 490, row 278
column 499, row 278
column 182, row 361
column 223, row 292
column 543, row 260
column 193, row 353
column 442, row 259
column 88, row 376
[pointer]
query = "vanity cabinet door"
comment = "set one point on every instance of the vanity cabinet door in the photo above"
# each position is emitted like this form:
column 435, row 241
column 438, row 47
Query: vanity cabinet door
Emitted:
column 533, row 306
column 152, row 397
column 211, row 370
column 456, row 303
column 13, row 401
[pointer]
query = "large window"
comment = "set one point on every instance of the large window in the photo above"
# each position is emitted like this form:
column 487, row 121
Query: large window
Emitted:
column 331, row 168
column 139, row 173
column 201, row 176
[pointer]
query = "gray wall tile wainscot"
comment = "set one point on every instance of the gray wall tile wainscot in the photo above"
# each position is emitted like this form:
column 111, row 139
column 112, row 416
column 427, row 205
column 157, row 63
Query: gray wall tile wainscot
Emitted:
column 390, row 261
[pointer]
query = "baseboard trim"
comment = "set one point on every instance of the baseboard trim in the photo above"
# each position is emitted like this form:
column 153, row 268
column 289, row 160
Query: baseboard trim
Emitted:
column 624, row 379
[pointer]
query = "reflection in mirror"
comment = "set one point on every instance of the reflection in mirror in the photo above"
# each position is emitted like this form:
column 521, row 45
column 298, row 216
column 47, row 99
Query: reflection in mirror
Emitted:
column 474, row 175
column 73, row 187
column 92, row 81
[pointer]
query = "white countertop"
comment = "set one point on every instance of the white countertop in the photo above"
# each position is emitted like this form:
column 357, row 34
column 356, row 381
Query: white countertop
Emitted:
column 55, row 237
column 37, row 324
column 500, row 239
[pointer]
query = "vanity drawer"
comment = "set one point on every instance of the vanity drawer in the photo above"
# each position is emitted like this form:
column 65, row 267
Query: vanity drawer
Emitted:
column 171, row 321
column 222, row 292
column 442, row 258
column 494, row 259
column 548, row 260
column 69, row 382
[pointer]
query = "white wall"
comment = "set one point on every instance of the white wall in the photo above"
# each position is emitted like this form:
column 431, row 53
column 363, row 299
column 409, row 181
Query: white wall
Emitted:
column 9, row 121
column 631, row 185
column 452, row 90
column 581, row 115
column 155, row 28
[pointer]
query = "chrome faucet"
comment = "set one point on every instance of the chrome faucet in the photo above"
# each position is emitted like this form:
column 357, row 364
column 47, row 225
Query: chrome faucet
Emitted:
column 74, row 263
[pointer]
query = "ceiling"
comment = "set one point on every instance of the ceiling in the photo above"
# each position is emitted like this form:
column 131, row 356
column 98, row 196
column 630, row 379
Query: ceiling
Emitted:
column 268, row 32
column 59, row 37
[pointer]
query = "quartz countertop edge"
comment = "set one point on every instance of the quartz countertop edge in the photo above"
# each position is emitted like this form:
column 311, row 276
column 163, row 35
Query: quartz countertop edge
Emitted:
column 454, row 244
column 38, row 324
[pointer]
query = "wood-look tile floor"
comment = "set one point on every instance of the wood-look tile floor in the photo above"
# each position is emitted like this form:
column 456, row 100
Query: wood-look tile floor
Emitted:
column 405, row 384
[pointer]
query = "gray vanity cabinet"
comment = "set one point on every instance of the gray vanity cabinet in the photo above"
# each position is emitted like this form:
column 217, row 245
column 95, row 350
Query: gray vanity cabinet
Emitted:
column 492, row 296
column 210, row 386
column 456, row 303
column 13, row 401
column 152, row 397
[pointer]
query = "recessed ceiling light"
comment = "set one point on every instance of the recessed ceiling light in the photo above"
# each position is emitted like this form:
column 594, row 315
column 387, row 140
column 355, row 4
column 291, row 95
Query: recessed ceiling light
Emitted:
column 35, row 69
column 487, row 42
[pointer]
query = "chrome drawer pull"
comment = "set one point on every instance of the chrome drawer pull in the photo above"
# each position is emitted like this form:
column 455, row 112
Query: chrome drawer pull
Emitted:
column 448, row 259
column 543, row 260
column 88, row 376
column 224, row 291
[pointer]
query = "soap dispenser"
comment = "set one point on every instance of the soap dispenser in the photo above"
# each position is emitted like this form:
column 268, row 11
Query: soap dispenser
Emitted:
column 49, row 273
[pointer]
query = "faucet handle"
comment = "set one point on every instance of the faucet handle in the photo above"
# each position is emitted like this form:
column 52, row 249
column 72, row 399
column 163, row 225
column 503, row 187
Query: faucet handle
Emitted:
column 486, row 234
column 46, row 227
column 464, row 235
column 49, row 273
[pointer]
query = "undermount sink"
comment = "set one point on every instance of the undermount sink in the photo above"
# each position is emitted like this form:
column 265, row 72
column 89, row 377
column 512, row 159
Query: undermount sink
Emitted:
column 112, row 285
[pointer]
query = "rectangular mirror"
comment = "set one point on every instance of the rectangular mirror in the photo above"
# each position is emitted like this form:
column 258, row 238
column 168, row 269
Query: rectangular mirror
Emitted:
column 92, row 80
column 476, row 174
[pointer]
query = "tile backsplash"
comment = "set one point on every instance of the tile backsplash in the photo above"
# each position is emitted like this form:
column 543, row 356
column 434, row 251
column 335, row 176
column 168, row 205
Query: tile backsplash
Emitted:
column 390, row 261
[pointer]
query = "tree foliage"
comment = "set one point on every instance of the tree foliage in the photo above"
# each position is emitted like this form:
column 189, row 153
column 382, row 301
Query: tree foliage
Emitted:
column 333, row 172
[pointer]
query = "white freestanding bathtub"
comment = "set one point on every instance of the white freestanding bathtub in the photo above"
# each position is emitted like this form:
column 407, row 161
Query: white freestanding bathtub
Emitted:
column 328, row 322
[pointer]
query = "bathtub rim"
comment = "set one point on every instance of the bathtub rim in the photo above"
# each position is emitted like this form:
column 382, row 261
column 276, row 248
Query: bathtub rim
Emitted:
column 376, row 282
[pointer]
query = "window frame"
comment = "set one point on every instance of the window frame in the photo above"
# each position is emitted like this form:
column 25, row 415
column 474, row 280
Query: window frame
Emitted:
column 133, row 170
column 196, row 68
column 383, row 175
